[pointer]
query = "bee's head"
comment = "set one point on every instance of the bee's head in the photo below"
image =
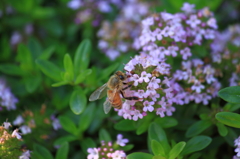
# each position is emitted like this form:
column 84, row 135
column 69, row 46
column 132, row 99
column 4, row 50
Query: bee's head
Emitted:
column 121, row 75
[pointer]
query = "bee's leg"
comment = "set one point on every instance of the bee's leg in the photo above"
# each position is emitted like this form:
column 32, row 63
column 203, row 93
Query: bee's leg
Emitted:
column 130, row 85
column 128, row 98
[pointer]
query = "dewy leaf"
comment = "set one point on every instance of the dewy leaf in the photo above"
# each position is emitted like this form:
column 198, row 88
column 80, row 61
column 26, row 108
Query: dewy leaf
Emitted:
column 78, row 101
column 230, row 94
column 196, row 143
column 68, row 65
column 68, row 125
column 82, row 56
column 222, row 129
column 198, row 127
column 229, row 119
column 139, row 155
column 155, row 132
column 157, row 148
column 104, row 135
column 42, row 151
column 49, row 69
column 62, row 152
column 176, row 150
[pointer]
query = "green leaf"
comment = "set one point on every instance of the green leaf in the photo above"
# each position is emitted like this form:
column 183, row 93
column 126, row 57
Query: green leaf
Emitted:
column 157, row 148
column 63, row 139
column 49, row 69
column 46, row 54
column 159, row 157
column 229, row 119
column 155, row 132
column 230, row 107
column 68, row 65
column 82, row 56
column 198, row 127
column 25, row 58
column 58, row 84
column 139, row 155
column 104, row 135
column 108, row 71
column 78, row 101
column 166, row 122
column 35, row 48
column 196, row 143
column 176, row 150
column 11, row 69
column 230, row 94
column 86, row 117
column 82, row 76
column 195, row 155
column 42, row 151
column 127, row 147
column 87, row 143
column 222, row 129
column 125, row 125
column 68, row 125
column 62, row 152
column 32, row 83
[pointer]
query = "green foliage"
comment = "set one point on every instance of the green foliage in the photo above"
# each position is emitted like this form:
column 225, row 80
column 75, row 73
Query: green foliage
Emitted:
column 197, row 128
column 139, row 155
column 230, row 94
column 228, row 118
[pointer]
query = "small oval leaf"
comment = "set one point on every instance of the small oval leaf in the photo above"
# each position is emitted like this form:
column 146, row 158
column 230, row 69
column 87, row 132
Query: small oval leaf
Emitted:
column 62, row 152
column 229, row 119
column 198, row 127
column 176, row 150
column 139, row 155
column 230, row 94
column 78, row 101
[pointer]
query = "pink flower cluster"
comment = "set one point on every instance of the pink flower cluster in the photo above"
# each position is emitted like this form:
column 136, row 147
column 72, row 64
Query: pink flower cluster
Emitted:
column 151, row 84
column 89, row 10
column 108, row 151
column 174, row 34
column 116, row 37
column 198, row 80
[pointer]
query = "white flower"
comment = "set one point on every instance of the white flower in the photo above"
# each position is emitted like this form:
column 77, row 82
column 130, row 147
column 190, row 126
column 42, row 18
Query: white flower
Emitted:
column 25, row 129
column 7, row 125
column 18, row 121
column 118, row 155
column 25, row 155
column 16, row 134
column 121, row 141
column 93, row 153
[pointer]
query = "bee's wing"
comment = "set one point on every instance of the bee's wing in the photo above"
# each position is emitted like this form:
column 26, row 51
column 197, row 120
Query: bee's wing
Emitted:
column 107, row 106
column 99, row 93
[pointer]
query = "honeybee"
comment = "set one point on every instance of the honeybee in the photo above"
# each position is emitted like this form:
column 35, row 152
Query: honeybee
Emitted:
column 113, row 88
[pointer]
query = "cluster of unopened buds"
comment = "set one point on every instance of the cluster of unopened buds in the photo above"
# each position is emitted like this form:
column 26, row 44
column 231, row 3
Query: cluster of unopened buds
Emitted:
column 109, row 150
column 9, row 142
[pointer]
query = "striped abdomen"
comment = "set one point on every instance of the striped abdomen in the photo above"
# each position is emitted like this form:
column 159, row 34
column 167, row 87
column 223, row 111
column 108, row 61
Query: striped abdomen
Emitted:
column 115, row 99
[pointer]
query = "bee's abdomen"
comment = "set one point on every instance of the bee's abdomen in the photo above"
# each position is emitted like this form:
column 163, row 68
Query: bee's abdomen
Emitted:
column 115, row 99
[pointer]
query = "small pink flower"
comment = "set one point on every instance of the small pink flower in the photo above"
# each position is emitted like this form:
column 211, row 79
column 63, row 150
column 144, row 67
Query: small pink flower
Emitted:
column 93, row 153
column 144, row 77
column 136, row 115
column 148, row 106
column 121, row 141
